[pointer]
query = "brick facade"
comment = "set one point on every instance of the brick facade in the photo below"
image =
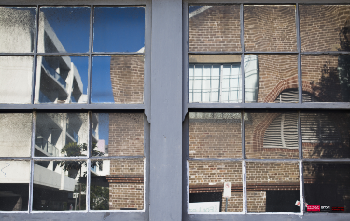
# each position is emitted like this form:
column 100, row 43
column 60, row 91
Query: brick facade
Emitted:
column 127, row 77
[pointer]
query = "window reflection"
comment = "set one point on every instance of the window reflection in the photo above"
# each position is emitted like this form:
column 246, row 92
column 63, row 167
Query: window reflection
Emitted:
column 14, row 185
column 61, row 79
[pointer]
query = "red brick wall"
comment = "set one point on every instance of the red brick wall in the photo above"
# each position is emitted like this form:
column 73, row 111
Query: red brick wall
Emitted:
column 127, row 77
column 216, row 29
column 126, row 195
column 270, row 28
column 320, row 27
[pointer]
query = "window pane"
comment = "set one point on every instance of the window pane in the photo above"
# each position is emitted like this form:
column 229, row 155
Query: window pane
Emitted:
column 327, row 184
column 214, row 28
column 325, row 135
column 273, row 187
column 118, row 79
column 59, row 185
column 16, row 78
column 15, row 134
column 64, row 29
column 117, row 184
column 17, row 28
column 215, row 78
column 61, row 134
column 326, row 78
column 14, row 181
column 119, row 29
column 271, row 78
column 207, row 178
column 269, row 28
column 324, row 27
column 61, row 79
column 215, row 135
column 272, row 135
column 118, row 134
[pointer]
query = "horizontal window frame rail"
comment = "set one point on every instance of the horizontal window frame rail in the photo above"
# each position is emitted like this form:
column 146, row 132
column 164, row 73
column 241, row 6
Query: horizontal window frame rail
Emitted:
column 70, row 3
column 309, row 105
column 72, row 54
column 267, row 2
column 85, row 106
column 321, row 160
column 69, row 158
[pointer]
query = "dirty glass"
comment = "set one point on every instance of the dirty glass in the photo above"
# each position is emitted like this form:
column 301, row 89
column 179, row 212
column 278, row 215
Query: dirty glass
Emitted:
column 118, row 79
column 17, row 28
column 16, row 134
column 325, row 134
column 326, row 78
column 61, row 79
column 119, row 29
column 271, row 78
column 214, row 28
column 117, row 184
column 326, row 187
column 215, row 135
column 273, row 187
column 271, row 135
column 118, row 134
column 324, row 27
column 59, row 185
column 64, row 29
column 206, row 186
column 270, row 28
column 14, row 185
column 16, row 75
column 61, row 134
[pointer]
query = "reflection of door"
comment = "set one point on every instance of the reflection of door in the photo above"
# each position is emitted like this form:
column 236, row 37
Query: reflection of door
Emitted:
column 282, row 201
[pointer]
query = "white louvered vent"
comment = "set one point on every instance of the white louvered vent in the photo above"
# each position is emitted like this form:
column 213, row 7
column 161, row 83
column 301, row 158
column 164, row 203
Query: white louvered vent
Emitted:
column 282, row 132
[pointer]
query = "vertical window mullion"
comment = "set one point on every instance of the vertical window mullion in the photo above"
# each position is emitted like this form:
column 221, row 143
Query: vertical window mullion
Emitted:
column 220, row 81
column 243, row 165
column 35, row 54
column 90, row 55
column 243, row 50
column 31, row 179
column 89, row 154
column 297, row 19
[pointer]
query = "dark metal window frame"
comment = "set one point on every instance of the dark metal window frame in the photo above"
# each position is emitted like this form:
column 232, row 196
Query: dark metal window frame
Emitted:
column 244, row 107
column 87, row 108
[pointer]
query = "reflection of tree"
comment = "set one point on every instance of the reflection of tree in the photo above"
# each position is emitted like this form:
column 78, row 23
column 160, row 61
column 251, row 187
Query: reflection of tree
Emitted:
column 73, row 167
column 99, row 198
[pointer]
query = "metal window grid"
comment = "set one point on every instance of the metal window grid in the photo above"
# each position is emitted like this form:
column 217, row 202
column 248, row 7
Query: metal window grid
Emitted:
column 87, row 108
column 300, row 106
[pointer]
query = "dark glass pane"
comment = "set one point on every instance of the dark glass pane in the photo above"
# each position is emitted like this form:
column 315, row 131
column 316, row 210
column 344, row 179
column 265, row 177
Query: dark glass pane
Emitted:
column 327, row 184
column 16, row 75
column 17, row 28
column 325, row 134
column 61, row 134
column 117, row 184
column 15, row 134
column 61, row 80
column 59, row 185
column 206, row 180
column 273, row 187
column 271, row 78
column 118, row 134
column 118, row 79
column 272, row 135
column 324, row 27
column 269, row 28
column 326, row 78
column 119, row 29
column 214, row 28
column 215, row 135
column 64, row 29
column 14, row 185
